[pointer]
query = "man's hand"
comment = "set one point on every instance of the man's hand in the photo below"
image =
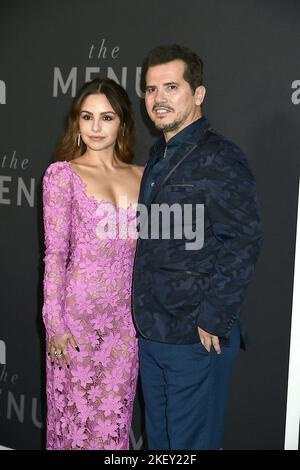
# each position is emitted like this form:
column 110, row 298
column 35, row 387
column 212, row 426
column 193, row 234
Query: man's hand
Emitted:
column 209, row 340
column 58, row 348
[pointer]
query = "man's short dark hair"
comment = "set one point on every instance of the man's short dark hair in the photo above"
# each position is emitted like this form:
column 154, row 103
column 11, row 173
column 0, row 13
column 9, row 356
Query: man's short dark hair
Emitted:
column 193, row 73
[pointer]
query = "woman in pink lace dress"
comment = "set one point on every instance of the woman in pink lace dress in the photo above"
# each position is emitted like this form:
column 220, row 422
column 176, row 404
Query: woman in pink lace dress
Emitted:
column 89, row 198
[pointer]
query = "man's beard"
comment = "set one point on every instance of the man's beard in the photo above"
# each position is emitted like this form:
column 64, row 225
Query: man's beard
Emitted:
column 172, row 126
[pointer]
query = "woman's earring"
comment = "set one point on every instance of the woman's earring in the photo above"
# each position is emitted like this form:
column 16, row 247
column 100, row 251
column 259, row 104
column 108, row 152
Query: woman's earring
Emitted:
column 123, row 129
column 78, row 140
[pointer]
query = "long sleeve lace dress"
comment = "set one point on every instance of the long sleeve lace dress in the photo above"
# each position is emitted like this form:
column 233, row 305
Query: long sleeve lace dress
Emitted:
column 87, row 289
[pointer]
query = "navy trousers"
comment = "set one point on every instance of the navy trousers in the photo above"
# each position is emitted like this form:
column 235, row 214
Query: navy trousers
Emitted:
column 185, row 390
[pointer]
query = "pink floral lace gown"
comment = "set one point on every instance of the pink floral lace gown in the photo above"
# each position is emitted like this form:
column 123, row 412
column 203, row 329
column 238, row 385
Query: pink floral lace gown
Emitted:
column 87, row 287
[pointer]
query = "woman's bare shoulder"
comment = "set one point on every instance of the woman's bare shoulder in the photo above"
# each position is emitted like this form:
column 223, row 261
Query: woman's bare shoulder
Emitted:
column 79, row 161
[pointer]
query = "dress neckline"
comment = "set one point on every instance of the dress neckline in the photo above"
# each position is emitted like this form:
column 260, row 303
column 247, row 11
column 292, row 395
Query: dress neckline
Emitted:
column 91, row 197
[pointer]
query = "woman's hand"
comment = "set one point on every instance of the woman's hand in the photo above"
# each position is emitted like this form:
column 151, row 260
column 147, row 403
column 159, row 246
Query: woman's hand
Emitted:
column 58, row 348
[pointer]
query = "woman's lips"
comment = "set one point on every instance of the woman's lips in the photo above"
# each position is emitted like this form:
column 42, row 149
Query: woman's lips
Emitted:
column 97, row 138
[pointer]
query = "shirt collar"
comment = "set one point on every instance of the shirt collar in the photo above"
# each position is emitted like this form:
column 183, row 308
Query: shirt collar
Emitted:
column 183, row 136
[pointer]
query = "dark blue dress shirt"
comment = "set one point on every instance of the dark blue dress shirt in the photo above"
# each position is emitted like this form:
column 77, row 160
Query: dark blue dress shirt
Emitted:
column 163, row 154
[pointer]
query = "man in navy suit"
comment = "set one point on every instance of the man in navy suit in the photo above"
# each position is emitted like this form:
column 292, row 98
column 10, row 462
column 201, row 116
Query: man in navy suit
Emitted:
column 187, row 297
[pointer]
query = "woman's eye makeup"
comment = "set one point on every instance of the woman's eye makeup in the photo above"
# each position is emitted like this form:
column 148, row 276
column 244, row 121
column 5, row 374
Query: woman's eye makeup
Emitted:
column 105, row 117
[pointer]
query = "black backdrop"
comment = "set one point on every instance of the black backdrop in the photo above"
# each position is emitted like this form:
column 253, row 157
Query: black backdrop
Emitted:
column 47, row 50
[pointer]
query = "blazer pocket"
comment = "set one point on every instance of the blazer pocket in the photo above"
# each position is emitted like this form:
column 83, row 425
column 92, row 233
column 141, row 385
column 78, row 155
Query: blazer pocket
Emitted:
column 187, row 272
column 187, row 187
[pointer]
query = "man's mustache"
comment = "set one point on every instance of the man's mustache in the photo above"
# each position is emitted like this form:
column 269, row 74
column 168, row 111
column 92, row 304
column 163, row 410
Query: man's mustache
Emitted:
column 161, row 106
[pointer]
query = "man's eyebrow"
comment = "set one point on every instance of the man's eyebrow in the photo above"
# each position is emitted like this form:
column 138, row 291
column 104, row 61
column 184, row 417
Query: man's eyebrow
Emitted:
column 164, row 84
column 171, row 83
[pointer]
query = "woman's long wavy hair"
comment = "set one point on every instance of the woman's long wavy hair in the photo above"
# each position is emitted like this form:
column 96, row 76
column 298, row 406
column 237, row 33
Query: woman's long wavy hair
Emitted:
column 68, row 148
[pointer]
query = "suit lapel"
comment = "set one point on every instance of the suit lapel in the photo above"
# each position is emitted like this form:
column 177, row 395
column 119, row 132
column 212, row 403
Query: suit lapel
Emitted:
column 174, row 162
column 180, row 155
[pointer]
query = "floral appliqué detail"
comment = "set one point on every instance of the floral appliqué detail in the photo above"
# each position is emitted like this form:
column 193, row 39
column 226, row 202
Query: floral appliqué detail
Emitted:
column 87, row 283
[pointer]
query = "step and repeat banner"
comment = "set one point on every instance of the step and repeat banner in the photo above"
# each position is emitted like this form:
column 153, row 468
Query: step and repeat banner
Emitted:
column 48, row 49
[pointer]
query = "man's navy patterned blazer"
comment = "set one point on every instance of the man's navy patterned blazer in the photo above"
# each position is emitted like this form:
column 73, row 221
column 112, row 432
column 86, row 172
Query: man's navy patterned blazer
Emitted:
column 175, row 290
